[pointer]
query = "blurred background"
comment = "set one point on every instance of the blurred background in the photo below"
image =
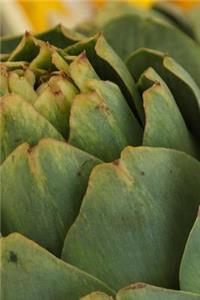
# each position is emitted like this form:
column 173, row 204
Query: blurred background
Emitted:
column 38, row 15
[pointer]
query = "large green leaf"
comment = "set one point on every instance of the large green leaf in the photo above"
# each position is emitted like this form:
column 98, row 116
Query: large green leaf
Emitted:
column 175, row 14
column 135, row 218
column 129, row 33
column 181, row 84
column 164, row 126
column 114, row 9
column 142, row 291
column 190, row 264
column 102, row 123
column 29, row 272
column 42, row 189
column 20, row 122
column 108, row 66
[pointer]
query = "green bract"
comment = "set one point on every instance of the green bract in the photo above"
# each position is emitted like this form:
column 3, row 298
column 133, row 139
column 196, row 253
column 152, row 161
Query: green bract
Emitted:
column 100, row 149
column 190, row 265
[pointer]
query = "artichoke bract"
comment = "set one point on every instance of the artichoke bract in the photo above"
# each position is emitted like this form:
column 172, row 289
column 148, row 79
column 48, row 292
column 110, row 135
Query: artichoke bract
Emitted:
column 100, row 149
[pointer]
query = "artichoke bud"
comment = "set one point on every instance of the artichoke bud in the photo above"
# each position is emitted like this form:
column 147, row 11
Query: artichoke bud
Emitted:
column 54, row 102
column 18, row 81
column 81, row 71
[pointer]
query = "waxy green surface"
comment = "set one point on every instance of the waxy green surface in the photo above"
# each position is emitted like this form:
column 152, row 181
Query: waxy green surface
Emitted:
column 164, row 124
column 109, row 66
column 176, row 15
column 20, row 123
column 136, row 32
column 81, row 70
column 42, row 190
column 142, row 291
column 136, row 216
column 190, row 264
column 54, row 102
column 30, row 272
column 182, row 85
column 102, row 123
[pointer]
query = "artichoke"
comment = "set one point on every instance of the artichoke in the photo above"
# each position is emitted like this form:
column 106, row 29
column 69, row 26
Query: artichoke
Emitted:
column 100, row 148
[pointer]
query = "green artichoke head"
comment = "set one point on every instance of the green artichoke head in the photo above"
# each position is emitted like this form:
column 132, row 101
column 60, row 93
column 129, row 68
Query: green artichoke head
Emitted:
column 100, row 148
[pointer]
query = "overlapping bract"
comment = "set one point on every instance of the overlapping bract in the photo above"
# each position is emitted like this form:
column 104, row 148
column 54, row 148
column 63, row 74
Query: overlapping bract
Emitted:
column 112, row 216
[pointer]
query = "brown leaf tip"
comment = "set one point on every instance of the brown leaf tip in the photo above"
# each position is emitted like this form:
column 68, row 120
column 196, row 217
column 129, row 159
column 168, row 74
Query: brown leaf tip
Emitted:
column 31, row 148
column 27, row 34
column 157, row 82
column 139, row 285
column 116, row 162
column 83, row 55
